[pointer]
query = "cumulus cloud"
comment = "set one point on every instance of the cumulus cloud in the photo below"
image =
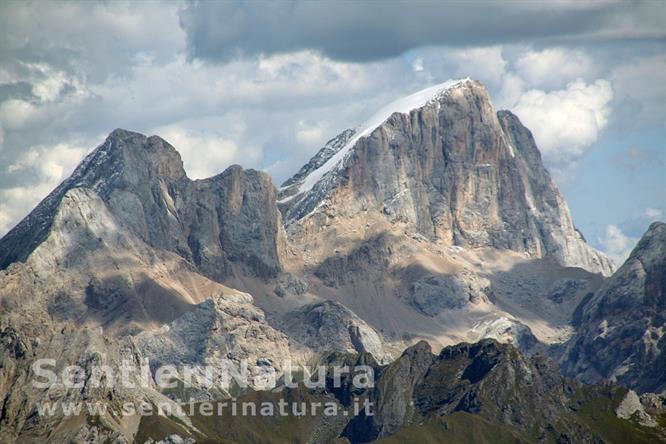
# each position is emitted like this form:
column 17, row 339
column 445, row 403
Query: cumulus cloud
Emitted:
column 487, row 64
column 566, row 122
column 417, row 66
column 554, row 67
column 653, row 214
column 309, row 133
column 53, row 163
column 204, row 155
column 616, row 244
column 17, row 114
column 565, row 113
column 50, row 165
column 248, row 111
column 434, row 65
column 637, row 224
column 620, row 239
column 16, row 202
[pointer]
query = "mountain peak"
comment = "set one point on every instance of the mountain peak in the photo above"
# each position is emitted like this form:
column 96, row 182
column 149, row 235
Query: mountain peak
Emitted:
column 142, row 182
column 624, row 322
column 654, row 238
column 451, row 168
column 404, row 105
column 126, row 160
column 131, row 150
column 121, row 133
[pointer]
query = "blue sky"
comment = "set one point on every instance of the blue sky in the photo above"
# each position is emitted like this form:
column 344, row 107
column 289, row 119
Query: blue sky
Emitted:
column 265, row 84
column 620, row 181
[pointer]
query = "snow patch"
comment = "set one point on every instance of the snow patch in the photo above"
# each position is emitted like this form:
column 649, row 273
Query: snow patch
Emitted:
column 403, row 106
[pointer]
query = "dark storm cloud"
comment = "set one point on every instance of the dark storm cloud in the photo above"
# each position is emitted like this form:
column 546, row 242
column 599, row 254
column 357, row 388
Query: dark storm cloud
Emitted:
column 95, row 39
column 366, row 31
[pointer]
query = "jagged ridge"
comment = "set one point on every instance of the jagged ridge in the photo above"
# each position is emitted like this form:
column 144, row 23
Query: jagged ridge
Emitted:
column 622, row 330
column 227, row 219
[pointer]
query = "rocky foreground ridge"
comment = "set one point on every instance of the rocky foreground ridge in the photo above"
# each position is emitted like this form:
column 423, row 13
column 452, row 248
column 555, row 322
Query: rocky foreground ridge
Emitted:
column 484, row 392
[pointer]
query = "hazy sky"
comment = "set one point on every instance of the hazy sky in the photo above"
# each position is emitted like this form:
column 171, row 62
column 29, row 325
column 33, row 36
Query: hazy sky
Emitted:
column 265, row 84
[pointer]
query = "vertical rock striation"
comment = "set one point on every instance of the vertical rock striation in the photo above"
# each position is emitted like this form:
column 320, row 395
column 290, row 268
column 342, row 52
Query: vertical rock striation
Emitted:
column 458, row 172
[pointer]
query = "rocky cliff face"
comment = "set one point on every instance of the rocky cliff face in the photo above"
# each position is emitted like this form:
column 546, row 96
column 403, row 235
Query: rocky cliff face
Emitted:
column 124, row 261
column 229, row 220
column 452, row 169
column 487, row 383
column 330, row 325
column 621, row 331
column 94, row 292
column 481, row 393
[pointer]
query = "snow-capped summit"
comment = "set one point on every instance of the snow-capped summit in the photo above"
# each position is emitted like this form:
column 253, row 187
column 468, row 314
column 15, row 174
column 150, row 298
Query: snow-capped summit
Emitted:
column 299, row 185
column 451, row 168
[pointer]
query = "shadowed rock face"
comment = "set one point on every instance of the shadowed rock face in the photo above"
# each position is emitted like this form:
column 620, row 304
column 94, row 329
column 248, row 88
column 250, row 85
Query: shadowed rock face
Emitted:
column 95, row 288
column 330, row 325
column 622, row 327
column 226, row 220
column 493, row 381
column 458, row 172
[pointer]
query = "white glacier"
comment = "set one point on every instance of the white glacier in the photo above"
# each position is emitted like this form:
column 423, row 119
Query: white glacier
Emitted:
column 403, row 105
